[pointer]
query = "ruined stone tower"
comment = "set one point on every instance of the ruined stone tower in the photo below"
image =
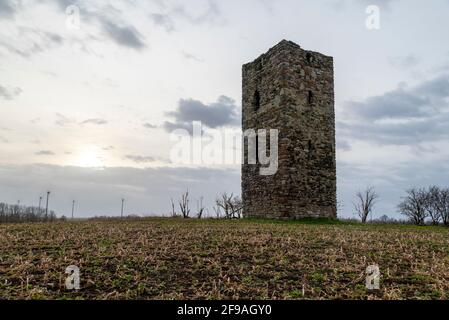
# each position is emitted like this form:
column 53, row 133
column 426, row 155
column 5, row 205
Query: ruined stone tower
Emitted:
column 292, row 90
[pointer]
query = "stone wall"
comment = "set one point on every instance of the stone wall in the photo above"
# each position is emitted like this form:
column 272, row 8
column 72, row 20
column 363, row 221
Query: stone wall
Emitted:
column 292, row 90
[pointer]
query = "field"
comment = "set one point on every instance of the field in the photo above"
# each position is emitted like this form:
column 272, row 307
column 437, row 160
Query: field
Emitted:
column 178, row 259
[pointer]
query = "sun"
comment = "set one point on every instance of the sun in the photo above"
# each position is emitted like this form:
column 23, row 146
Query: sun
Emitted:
column 90, row 157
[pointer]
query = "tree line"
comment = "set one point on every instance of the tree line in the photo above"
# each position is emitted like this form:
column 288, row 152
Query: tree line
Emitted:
column 420, row 205
column 20, row 214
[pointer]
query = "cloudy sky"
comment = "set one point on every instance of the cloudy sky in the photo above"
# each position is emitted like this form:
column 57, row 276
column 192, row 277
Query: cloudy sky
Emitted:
column 86, row 110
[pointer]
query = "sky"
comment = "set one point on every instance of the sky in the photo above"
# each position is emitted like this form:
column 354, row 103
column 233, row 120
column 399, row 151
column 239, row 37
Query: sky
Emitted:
column 91, row 90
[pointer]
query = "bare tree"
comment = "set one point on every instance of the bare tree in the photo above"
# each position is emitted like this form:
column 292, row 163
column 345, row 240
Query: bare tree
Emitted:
column 231, row 206
column 184, row 205
column 200, row 208
column 173, row 211
column 444, row 206
column 433, row 205
column 413, row 206
column 20, row 214
column 437, row 205
column 365, row 202
column 217, row 211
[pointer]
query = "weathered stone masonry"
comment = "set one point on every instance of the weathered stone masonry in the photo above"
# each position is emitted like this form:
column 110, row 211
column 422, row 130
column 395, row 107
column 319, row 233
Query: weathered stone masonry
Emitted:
column 292, row 90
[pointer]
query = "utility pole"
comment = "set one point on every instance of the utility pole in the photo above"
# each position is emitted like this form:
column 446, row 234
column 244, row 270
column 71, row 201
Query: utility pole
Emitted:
column 40, row 203
column 73, row 208
column 123, row 202
column 46, row 206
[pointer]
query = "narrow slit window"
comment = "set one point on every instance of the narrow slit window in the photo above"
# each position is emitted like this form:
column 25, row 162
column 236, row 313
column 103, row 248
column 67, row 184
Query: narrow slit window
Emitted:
column 256, row 100
column 311, row 149
column 257, row 149
column 310, row 98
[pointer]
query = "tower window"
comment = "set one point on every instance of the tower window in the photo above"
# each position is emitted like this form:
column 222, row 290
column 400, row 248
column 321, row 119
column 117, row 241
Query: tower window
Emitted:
column 310, row 98
column 256, row 100
column 311, row 149
column 257, row 149
column 309, row 57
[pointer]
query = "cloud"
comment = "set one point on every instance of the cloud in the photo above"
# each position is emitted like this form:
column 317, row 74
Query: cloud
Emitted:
column 62, row 120
column 211, row 15
column 223, row 113
column 26, row 41
column 401, row 116
column 45, row 153
column 140, row 159
column 63, row 4
column 163, row 20
column 124, row 35
column 95, row 121
column 7, row 8
column 9, row 93
column 149, row 126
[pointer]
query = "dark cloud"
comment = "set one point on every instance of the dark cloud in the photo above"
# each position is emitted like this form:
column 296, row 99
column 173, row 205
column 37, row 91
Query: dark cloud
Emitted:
column 163, row 20
column 223, row 113
column 95, row 121
column 32, row 41
column 140, row 159
column 149, row 126
column 45, row 153
column 7, row 8
column 124, row 35
column 402, row 116
column 9, row 93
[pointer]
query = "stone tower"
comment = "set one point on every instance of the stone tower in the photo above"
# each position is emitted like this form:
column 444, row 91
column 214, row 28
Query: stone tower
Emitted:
column 292, row 90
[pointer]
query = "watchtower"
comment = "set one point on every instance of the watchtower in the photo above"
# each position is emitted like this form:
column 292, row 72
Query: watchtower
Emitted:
column 292, row 90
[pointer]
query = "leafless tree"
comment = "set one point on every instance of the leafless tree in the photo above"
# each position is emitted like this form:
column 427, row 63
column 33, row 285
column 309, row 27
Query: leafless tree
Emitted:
column 414, row 204
column 173, row 211
column 437, row 205
column 184, row 205
column 200, row 208
column 433, row 204
column 21, row 214
column 217, row 211
column 232, row 206
column 444, row 206
column 365, row 202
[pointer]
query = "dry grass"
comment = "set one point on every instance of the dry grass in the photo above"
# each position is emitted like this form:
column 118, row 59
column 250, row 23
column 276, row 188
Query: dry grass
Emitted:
column 171, row 259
